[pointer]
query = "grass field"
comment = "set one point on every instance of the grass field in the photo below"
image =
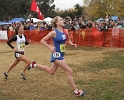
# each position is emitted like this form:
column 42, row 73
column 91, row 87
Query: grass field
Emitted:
column 99, row 71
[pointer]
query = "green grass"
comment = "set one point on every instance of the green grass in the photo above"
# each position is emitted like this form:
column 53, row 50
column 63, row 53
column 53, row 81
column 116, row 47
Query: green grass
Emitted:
column 107, row 89
column 100, row 71
column 114, row 60
column 3, row 97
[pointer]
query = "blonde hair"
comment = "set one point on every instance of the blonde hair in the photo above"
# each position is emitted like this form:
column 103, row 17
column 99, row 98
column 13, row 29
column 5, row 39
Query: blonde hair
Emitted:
column 55, row 19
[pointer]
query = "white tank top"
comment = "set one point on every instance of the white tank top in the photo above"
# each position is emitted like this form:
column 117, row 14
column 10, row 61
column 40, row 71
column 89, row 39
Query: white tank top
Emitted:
column 20, row 43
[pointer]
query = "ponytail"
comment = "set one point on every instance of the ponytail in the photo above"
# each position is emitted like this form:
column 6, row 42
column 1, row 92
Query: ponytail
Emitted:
column 16, row 30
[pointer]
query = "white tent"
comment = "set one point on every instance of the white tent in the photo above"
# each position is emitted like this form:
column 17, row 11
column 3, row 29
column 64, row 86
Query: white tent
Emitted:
column 34, row 20
column 48, row 20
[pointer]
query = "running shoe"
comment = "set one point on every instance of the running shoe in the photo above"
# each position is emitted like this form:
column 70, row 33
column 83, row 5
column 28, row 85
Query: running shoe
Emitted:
column 80, row 93
column 32, row 65
column 29, row 67
column 5, row 75
column 23, row 77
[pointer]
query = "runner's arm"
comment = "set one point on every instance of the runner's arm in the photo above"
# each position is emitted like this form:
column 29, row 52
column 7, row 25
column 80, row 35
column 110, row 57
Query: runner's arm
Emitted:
column 14, row 38
column 68, row 41
column 26, row 42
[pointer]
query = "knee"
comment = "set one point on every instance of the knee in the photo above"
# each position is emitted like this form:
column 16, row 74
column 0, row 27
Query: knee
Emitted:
column 51, row 73
column 69, row 72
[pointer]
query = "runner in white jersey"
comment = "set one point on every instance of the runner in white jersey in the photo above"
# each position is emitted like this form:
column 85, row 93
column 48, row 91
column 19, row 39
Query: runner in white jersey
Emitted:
column 21, row 41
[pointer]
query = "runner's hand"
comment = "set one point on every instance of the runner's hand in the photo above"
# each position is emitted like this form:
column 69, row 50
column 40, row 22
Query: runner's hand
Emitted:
column 75, row 45
column 15, row 50
column 52, row 49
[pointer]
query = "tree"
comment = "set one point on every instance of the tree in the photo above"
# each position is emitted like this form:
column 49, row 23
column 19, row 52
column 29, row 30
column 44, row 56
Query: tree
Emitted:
column 13, row 8
column 79, row 10
column 21, row 8
column 99, row 8
column 72, row 12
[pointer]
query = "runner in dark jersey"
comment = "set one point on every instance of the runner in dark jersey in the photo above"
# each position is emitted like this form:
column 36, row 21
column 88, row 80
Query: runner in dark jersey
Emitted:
column 21, row 41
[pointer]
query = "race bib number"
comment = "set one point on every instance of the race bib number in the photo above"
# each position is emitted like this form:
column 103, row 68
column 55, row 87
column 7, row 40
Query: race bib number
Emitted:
column 22, row 46
column 62, row 47
column 56, row 55
column 17, row 55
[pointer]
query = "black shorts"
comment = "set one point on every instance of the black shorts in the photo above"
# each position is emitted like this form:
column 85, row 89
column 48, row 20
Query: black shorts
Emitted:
column 18, row 54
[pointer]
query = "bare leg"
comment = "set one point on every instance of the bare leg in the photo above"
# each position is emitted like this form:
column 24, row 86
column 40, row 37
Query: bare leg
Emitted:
column 51, row 70
column 68, row 71
column 26, row 60
column 13, row 65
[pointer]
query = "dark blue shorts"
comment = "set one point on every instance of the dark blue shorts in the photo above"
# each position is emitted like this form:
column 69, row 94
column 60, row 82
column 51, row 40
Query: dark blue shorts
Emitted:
column 57, row 56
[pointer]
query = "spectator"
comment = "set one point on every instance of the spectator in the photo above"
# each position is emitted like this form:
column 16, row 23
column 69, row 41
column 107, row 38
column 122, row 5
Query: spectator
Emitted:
column 32, row 27
column 83, row 25
column 104, row 26
column 67, row 25
column 76, row 26
column 41, row 26
column 80, row 22
column 97, row 34
column 115, row 35
column 27, row 26
column 89, row 24
column 5, row 28
column 111, row 24
column 99, row 26
column 72, row 26
column 107, row 18
column 49, row 26
column 119, row 23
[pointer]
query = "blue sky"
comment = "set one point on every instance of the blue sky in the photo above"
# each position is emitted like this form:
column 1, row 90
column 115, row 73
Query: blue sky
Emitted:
column 66, row 4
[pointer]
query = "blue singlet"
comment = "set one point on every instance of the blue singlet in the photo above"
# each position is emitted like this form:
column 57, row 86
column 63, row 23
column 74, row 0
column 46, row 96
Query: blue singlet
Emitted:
column 59, row 44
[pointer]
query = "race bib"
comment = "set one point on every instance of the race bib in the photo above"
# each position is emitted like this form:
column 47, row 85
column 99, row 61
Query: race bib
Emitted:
column 17, row 55
column 56, row 55
column 62, row 47
column 22, row 46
